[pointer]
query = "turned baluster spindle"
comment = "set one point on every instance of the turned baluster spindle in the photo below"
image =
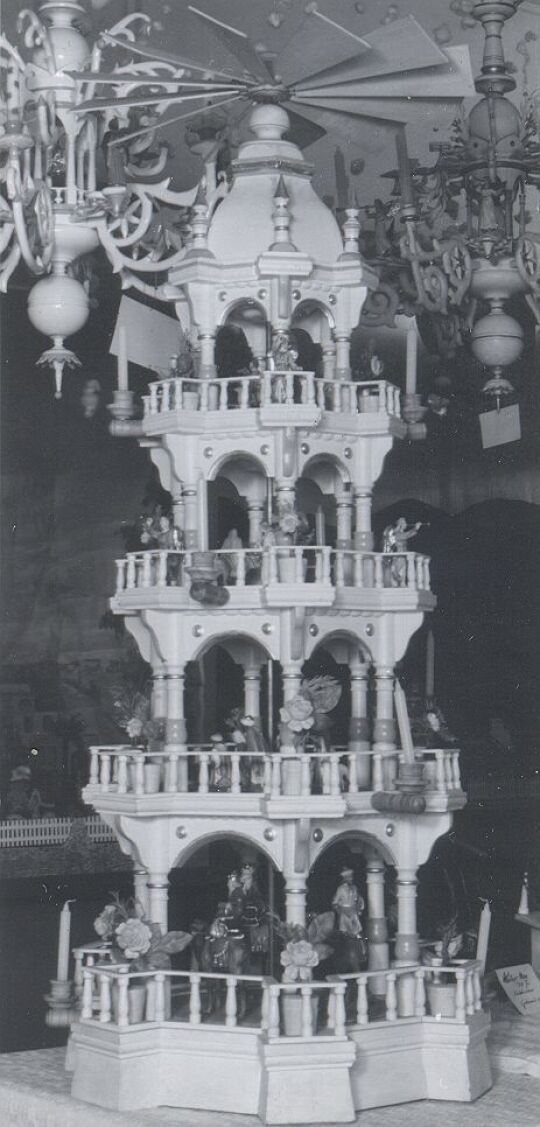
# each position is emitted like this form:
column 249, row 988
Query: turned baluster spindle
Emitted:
column 289, row 385
column 276, row 776
column 230, row 1001
column 325, row 773
column 469, row 993
column 298, row 565
column 305, row 776
column 340, row 569
column 267, row 783
column 419, row 993
column 139, row 775
column 440, row 772
column 120, row 576
column 104, row 998
column 358, row 569
column 264, row 1006
column 379, row 572
column 362, row 1004
column 105, row 770
column 460, row 994
column 131, row 572
column 154, row 401
column 160, row 996
column 203, row 773
column 391, row 997
column 381, row 391
column 378, row 781
column 320, row 393
column 318, row 566
column 195, row 999
column 327, row 552
column 310, row 389
column 94, row 767
column 162, row 569
column 272, row 566
column 477, row 988
column 331, row 1012
column 456, row 773
column 353, row 775
column 340, row 1012
column 334, row 775
column 78, row 957
column 241, row 569
column 307, row 1010
column 235, row 773
column 122, row 984
column 122, row 774
column 171, row 777
column 87, row 995
column 273, row 1011
column 244, row 393
column 448, row 772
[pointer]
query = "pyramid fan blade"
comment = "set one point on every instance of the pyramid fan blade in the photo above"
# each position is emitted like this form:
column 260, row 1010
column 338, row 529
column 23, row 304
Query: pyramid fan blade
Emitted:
column 403, row 110
column 453, row 81
column 210, row 67
column 339, row 125
column 401, row 45
column 302, row 131
column 236, row 42
column 317, row 45
column 152, row 99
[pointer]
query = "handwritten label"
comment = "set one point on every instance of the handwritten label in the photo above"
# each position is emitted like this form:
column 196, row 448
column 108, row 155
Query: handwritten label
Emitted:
column 522, row 987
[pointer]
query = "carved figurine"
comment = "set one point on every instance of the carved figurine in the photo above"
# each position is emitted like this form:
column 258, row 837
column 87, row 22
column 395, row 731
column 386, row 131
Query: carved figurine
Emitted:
column 395, row 538
column 348, row 904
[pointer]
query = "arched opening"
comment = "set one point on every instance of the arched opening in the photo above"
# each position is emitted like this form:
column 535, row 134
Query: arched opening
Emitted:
column 226, row 887
column 237, row 501
column 324, row 493
column 242, row 336
column 238, row 707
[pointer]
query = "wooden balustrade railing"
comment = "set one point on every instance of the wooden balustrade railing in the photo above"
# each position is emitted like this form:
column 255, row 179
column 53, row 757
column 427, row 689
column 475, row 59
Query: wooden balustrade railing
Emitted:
column 326, row 1009
column 465, row 977
column 279, row 564
column 226, row 770
column 281, row 388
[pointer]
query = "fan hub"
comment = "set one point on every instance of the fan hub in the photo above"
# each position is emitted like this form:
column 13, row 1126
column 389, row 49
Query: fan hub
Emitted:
column 270, row 93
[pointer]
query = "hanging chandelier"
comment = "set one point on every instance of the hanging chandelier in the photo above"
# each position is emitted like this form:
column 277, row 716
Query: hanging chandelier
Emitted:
column 80, row 162
column 72, row 181
column 456, row 244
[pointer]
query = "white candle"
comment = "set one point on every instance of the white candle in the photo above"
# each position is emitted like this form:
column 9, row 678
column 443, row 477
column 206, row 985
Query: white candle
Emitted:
column 430, row 665
column 483, row 935
column 412, row 357
column 62, row 971
column 122, row 359
column 403, row 723
column 320, row 532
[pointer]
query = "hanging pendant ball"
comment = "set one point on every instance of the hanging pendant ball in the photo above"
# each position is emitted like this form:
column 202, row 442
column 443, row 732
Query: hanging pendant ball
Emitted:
column 318, row 834
column 58, row 306
column 497, row 340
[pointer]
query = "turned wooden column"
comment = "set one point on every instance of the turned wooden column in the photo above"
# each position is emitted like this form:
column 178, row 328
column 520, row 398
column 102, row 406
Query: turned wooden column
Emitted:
column 407, row 947
column 344, row 505
column 376, row 925
column 252, row 691
column 255, row 518
column 191, row 516
column 295, row 899
column 363, row 536
column 140, row 881
column 158, row 899
column 176, row 731
column 359, row 723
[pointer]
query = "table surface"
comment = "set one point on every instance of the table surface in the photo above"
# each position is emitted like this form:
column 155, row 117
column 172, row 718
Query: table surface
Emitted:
column 35, row 1092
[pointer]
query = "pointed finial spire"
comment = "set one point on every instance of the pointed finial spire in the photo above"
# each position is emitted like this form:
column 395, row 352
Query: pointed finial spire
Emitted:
column 281, row 218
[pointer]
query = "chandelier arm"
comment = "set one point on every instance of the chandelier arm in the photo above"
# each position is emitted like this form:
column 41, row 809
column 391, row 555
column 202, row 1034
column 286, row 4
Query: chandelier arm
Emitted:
column 143, row 203
column 533, row 306
column 163, row 56
column 36, row 35
column 9, row 264
column 123, row 33
column 163, row 292
column 527, row 259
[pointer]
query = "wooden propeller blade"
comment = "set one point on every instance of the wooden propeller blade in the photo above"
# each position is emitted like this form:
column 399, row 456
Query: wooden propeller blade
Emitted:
column 400, row 46
column 237, row 43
